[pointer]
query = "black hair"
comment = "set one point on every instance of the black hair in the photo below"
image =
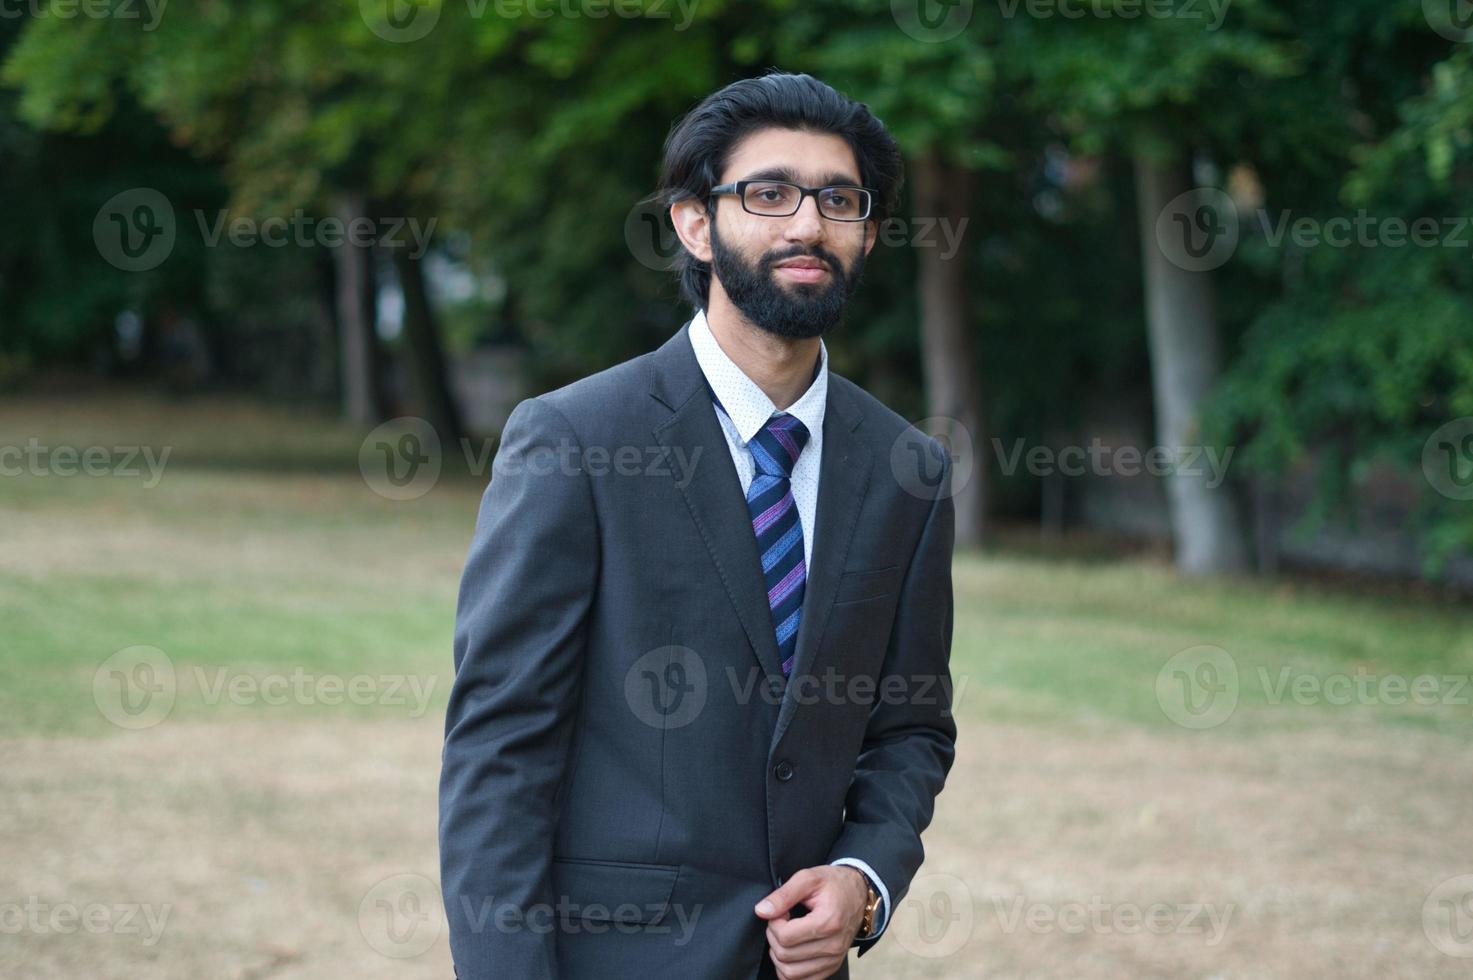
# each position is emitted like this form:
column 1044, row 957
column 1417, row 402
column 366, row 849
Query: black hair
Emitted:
column 699, row 145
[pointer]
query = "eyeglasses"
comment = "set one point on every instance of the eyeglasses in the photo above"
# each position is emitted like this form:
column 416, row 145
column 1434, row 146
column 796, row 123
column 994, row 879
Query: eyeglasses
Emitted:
column 778, row 199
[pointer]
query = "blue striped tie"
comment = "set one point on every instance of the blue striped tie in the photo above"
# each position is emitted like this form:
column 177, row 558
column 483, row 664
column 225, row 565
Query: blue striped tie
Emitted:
column 775, row 449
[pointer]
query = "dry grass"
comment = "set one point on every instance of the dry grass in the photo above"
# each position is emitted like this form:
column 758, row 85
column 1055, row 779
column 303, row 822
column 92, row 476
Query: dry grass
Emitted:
column 262, row 840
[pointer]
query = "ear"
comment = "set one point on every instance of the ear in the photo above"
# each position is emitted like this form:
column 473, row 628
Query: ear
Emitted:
column 693, row 225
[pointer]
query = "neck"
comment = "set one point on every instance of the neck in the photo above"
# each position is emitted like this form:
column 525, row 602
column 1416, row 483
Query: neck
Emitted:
column 781, row 366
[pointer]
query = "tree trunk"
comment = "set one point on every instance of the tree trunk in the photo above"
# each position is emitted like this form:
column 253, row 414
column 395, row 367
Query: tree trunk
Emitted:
column 1266, row 524
column 425, row 354
column 322, row 374
column 943, row 193
column 357, row 316
column 1181, row 319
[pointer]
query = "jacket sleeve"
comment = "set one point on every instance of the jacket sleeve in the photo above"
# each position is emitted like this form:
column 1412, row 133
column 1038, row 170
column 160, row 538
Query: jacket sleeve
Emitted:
column 520, row 634
column 910, row 740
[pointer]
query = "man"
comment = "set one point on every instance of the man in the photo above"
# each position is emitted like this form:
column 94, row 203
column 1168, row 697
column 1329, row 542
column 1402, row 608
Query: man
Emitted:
column 702, row 703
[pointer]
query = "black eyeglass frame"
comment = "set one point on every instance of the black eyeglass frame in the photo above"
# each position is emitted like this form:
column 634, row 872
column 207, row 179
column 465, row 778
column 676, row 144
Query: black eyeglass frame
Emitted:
column 739, row 188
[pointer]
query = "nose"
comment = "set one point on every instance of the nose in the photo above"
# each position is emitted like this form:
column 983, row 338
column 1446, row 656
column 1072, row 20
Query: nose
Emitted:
column 806, row 225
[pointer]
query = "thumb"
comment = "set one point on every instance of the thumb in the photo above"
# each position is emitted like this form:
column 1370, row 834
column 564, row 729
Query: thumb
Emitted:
column 797, row 888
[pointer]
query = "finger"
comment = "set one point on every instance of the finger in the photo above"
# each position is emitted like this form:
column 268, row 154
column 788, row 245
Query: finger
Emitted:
column 818, row 951
column 816, row 925
column 793, row 891
column 809, row 969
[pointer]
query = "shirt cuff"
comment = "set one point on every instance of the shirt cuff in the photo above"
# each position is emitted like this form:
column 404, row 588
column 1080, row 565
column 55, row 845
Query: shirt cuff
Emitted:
column 884, row 916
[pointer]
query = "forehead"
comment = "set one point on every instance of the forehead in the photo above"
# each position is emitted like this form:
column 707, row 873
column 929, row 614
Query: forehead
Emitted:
column 812, row 159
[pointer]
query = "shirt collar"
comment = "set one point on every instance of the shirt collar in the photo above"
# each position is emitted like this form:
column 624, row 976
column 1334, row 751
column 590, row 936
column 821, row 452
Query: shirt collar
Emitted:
column 746, row 404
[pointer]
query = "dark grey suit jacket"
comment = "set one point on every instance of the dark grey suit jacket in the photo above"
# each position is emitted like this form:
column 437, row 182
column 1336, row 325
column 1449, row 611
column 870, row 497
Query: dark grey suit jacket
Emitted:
column 626, row 772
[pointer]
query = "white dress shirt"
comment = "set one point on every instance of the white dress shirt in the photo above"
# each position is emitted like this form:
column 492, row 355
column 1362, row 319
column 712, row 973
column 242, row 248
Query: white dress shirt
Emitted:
column 749, row 409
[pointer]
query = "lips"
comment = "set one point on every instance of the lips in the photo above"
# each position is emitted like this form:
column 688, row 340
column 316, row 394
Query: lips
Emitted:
column 802, row 269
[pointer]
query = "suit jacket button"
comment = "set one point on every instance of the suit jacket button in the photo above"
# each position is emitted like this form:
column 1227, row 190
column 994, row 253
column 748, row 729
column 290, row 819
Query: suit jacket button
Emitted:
column 783, row 771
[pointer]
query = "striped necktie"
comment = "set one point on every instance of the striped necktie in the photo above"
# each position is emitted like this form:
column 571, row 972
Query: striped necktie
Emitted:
column 775, row 449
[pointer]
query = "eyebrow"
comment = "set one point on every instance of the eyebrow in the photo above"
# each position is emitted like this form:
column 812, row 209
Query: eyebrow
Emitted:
column 791, row 176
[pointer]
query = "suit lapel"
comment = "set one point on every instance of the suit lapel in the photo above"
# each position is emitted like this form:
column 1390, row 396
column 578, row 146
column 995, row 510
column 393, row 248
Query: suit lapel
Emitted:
column 714, row 492
column 844, row 474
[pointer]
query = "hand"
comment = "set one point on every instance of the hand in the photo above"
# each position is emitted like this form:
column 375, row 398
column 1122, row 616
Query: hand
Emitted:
column 814, row 945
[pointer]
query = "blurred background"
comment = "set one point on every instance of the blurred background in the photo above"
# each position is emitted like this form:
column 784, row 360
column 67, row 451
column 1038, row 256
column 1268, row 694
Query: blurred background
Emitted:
column 1186, row 286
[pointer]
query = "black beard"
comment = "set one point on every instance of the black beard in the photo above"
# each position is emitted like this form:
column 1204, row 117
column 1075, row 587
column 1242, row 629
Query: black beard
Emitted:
column 808, row 310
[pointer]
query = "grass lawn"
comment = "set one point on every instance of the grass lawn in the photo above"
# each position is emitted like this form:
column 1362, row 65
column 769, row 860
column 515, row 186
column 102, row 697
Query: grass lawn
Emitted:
column 1296, row 826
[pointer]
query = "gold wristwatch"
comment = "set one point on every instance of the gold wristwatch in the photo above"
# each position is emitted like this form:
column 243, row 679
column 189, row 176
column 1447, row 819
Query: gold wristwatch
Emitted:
column 867, row 925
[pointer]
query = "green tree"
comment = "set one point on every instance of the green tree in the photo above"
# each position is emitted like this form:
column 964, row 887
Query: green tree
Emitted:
column 1160, row 90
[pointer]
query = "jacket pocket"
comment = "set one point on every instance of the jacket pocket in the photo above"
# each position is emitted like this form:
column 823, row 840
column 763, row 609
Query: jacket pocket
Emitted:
column 867, row 584
column 613, row 891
